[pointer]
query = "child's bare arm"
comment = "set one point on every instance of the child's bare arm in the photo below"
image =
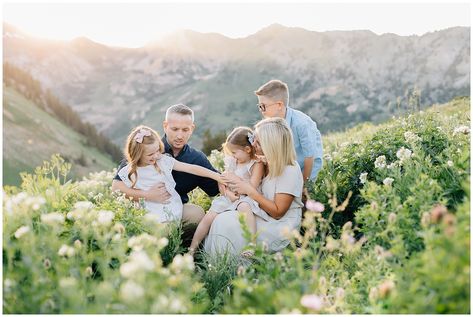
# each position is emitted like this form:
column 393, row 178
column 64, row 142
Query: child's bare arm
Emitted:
column 257, row 171
column 196, row 170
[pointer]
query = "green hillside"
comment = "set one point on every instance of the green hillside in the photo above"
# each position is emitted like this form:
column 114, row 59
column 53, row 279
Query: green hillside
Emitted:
column 30, row 135
column 393, row 238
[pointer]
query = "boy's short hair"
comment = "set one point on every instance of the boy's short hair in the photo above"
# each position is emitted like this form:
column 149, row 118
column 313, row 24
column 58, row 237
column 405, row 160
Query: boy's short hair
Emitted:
column 181, row 109
column 276, row 90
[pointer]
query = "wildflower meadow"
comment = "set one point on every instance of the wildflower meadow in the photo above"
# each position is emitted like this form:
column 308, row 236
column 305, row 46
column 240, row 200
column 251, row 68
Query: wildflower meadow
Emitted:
column 387, row 230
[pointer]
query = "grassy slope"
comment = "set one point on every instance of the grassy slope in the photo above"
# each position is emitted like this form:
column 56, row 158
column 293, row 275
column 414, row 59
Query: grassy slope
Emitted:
column 366, row 130
column 30, row 136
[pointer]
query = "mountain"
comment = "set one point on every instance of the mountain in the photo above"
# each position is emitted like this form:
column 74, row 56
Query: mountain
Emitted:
column 31, row 135
column 339, row 78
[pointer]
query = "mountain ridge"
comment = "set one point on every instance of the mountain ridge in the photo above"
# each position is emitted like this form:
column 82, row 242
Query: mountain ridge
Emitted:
column 339, row 78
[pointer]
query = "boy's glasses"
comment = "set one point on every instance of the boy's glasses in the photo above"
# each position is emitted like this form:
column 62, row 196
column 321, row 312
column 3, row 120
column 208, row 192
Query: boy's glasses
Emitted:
column 262, row 106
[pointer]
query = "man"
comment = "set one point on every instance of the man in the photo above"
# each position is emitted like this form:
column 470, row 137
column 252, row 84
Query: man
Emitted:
column 273, row 98
column 178, row 127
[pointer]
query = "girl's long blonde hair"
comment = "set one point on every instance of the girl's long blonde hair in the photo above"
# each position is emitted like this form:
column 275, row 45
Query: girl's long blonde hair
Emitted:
column 275, row 138
column 134, row 150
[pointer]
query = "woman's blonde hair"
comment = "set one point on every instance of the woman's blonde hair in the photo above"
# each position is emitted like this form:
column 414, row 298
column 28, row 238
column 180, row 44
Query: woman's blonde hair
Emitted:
column 135, row 147
column 275, row 138
column 240, row 136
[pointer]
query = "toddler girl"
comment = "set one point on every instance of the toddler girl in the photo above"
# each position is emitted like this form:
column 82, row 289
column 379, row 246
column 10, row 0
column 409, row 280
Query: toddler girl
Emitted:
column 241, row 160
column 147, row 166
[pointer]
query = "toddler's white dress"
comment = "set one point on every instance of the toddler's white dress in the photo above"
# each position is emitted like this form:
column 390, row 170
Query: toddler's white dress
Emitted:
column 149, row 176
column 222, row 203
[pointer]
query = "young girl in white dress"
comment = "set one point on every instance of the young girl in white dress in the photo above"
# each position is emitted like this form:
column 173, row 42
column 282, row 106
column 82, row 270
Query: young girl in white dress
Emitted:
column 147, row 166
column 240, row 159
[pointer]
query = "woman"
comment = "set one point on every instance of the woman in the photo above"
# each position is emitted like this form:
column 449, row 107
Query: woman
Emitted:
column 280, row 197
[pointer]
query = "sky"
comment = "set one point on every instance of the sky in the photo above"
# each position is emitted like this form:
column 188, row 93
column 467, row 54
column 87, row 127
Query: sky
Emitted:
column 135, row 24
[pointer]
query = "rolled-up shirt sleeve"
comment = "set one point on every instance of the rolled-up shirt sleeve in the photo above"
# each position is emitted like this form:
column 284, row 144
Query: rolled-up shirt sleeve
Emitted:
column 311, row 144
column 307, row 139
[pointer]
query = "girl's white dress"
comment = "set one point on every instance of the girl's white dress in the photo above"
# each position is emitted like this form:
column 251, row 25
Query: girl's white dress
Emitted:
column 149, row 176
column 222, row 203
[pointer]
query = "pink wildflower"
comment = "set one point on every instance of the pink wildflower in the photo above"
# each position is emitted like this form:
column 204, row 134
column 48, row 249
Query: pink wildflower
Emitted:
column 314, row 206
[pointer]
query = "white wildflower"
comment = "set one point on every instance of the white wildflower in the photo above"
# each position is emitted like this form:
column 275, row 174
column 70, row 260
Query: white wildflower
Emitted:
column 84, row 205
column 348, row 239
column 66, row 250
column 180, row 263
column 8, row 284
column 374, row 294
column 278, row 256
column 161, row 304
column 131, row 291
column 35, row 202
column 380, row 162
column 129, row 269
column 21, row 231
column 78, row 244
column 392, row 217
column 461, row 130
column 138, row 261
column 163, row 242
column 119, row 228
column 105, row 217
column 327, row 157
column 411, row 137
column 450, row 163
column 340, row 293
column 88, row 271
column 331, row 244
column 403, row 154
column 53, row 218
column 176, row 306
column 312, row 302
column 388, row 181
column 143, row 240
column 363, row 177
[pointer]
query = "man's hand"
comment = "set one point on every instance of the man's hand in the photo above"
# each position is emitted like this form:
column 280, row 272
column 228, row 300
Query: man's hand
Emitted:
column 158, row 193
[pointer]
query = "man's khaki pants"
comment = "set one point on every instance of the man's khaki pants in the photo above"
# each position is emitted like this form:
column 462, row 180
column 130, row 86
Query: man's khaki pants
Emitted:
column 191, row 216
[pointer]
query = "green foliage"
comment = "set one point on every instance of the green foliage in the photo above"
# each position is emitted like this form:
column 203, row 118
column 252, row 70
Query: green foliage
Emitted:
column 211, row 142
column 439, row 276
column 74, row 247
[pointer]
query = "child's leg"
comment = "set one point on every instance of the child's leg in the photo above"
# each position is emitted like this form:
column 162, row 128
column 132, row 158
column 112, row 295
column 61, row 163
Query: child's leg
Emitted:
column 202, row 230
column 250, row 218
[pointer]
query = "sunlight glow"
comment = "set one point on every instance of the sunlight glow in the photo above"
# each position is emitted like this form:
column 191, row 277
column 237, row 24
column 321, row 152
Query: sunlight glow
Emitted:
column 135, row 24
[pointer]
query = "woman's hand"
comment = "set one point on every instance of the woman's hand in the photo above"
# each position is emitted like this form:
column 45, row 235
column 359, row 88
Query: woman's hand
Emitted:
column 237, row 184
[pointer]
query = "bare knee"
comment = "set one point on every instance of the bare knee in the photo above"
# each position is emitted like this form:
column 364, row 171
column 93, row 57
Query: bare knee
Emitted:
column 192, row 214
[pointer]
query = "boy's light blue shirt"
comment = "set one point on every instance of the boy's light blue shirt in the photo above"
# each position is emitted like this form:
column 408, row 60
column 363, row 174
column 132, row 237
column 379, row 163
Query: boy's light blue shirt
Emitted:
column 307, row 139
